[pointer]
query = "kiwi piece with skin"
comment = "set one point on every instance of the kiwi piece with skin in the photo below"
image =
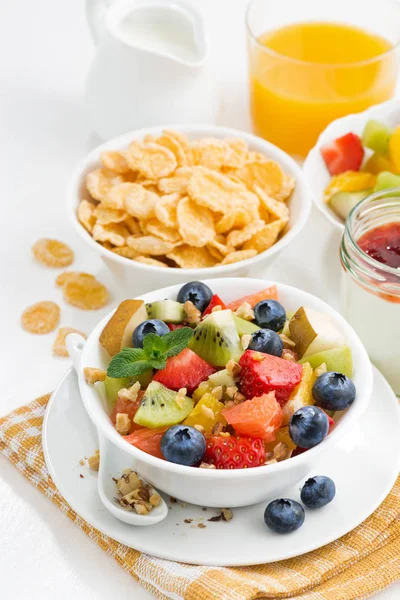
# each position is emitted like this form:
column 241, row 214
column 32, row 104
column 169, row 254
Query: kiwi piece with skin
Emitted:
column 161, row 407
column 216, row 339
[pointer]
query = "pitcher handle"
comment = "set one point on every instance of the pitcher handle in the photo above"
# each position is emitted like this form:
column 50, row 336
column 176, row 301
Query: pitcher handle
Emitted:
column 95, row 14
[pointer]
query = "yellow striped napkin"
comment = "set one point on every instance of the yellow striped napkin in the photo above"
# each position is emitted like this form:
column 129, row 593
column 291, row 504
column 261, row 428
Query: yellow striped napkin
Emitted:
column 355, row 566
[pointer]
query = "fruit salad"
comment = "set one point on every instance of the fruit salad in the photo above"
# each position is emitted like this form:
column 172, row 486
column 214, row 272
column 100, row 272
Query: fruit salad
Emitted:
column 202, row 382
column 361, row 165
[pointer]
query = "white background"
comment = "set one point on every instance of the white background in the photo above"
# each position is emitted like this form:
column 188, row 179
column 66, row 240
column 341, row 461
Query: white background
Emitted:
column 45, row 51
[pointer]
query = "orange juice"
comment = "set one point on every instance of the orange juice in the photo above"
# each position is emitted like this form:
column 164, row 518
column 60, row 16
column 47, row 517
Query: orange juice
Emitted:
column 305, row 75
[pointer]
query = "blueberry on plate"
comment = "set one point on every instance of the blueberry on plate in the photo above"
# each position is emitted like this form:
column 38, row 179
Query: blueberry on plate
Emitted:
column 151, row 326
column 183, row 445
column 318, row 491
column 267, row 341
column 197, row 292
column 284, row 515
column 270, row 314
column 308, row 426
column 334, row 391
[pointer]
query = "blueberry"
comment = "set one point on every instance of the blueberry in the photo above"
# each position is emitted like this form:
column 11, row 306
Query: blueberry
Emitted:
column 284, row 515
column 183, row 445
column 334, row 391
column 152, row 326
column 266, row 340
column 308, row 426
column 318, row 491
column 270, row 314
column 197, row 292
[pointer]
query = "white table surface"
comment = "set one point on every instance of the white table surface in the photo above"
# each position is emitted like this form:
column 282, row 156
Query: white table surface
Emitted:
column 45, row 51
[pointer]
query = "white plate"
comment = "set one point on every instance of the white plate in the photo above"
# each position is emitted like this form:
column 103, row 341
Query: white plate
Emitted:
column 314, row 168
column 364, row 467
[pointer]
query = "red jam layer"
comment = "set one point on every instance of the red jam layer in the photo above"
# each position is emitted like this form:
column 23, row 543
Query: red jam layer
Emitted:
column 383, row 244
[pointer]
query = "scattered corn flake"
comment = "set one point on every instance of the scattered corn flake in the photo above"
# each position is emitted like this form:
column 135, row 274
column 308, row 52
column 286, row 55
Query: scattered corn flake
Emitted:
column 149, row 244
column 211, row 153
column 151, row 160
column 125, row 251
column 146, row 260
column 100, row 182
column 115, row 161
column 264, row 238
column 238, row 256
column 69, row 275
column 266, row 174
column 41, row 318
column 115, row 233
column 196, row 223
column 106, row 215
column 188, row 257
column 59, row 346
column 237, row 237
column 53, row 253
column 165, row 209
column 169, row 234
column 85, row 293
column 86, row 215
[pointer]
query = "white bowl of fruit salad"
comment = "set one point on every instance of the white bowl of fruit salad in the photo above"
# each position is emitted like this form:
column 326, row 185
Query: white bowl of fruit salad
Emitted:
column 354, row 157
column 212, row 388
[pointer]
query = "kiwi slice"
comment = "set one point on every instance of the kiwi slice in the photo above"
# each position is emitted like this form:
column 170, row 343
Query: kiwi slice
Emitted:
column 244, row 327
column 216, row 339
column 112, row 386
column 168, row 311
column 161, row 407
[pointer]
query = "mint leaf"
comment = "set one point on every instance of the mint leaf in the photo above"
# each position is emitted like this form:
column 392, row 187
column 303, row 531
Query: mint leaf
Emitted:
column 154, row 346
column 159, row 364
column 130, row 362
column 176, row 341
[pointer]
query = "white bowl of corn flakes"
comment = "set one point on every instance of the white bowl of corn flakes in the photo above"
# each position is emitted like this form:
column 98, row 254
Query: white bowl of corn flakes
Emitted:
column 165, row 205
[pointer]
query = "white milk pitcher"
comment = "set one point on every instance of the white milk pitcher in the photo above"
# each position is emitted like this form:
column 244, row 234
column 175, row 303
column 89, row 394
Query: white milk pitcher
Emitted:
column 151, row 66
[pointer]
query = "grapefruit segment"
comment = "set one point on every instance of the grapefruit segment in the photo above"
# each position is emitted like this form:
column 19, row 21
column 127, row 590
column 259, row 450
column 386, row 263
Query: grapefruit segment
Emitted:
column 148, row 440
column 260, row 417
column 270, row 293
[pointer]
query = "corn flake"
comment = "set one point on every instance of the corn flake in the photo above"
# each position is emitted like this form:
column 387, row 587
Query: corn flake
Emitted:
column 115, row 161
column 165, row 209
column 211, row 153
column 169, row 234
column 85, row 293
column 238, row 155
column 173, row 143
column 41, row 318
column 146, row 260
column 86, row 214
column 106, row 215
column 264, row 238
column 149, row 244
column 115, row 233
column 237, row 237
column 196, row 223
column 188, row 257
column 139, row 202
column 214, row 190
column 100, row 182
column 177, row 182
column 266, row 174
column 59, row 346
column 125, row 251
column 273, row 208
column 63, row 278
column 151, row 160
column 238, row 256
column 52, row 253
column 236, row 218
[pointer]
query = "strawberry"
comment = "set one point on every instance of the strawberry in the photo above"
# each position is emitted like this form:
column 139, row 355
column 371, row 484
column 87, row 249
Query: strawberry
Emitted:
column 173, row 326
column 186, row 370
column 234, row 452
column 262, row 373
column 343, row 154
column 215, row 301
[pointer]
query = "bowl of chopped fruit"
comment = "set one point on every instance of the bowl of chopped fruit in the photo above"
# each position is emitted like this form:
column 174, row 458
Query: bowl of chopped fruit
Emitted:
column 222, row 392
column 355, row 156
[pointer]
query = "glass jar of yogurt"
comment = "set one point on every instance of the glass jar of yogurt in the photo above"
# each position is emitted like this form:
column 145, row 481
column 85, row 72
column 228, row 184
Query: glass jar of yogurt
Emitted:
column 370, row 290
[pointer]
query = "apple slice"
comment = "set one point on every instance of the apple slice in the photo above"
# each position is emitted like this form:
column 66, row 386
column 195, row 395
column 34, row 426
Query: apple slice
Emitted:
column 339, row 360
column 314, row 332
column 117, row 334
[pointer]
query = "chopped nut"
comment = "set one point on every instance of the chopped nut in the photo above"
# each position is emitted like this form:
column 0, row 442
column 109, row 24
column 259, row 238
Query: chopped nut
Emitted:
column 281, row 452
column 227, row 514
column 205, row 465
column 133, row 480
column 245, row 312
column 82, row 462
column 231, row 390
column 216, row 308
column 182, row 392
column 233, row 368
column 289, row 355
column 320, row 370
column 270, row 462
column 229, row 404
column 245, row 341
column 202, row 525
column 238, row 398
column 224, row 434
column 207, row 411
column 193, row 314
column 216, row 518
column 123, row 423
column 258, row 356
column 140, row 509
column 123, row 486
column 199, row 428
column 218, row 427
column 188, row 520
column 217, row 392
column 130, row 393
column 173, row 500
column 94, row 461
column 81, row 476
column 93, row 375
column 155, row 499
column 287, row 342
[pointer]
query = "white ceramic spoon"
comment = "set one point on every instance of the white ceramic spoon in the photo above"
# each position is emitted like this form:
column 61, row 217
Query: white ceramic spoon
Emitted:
column 112, row 462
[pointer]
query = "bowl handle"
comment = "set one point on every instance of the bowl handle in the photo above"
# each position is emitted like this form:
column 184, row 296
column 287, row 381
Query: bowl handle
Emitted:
column 75, row 344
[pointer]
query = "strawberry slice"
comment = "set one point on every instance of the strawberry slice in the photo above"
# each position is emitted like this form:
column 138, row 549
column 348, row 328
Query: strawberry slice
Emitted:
column 234, row 452
column 173, row 326
column 215, row 301
column 262, row 373
column 256, row 418
column 186, row 370
column 343, row 154
column 270, row 293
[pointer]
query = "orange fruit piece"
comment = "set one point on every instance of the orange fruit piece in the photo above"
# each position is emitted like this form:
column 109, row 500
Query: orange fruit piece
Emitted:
column 349, row 181
column 270, row 293
column 207, row 413
column 256, row 418
column 148, row 440
column 282, row 435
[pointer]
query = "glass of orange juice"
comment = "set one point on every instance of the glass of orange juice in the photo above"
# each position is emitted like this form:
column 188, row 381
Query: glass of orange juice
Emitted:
column 312, row 61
